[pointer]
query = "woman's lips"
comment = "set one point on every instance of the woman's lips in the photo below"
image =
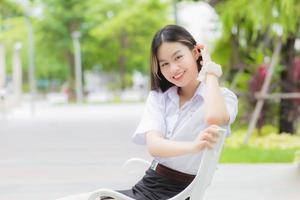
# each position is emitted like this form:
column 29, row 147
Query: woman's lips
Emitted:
column 178, row 76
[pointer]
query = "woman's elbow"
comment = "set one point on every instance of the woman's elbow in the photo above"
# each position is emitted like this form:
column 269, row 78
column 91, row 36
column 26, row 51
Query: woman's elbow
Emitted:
column 152, row 141
column 217, row 120
column 152, row 151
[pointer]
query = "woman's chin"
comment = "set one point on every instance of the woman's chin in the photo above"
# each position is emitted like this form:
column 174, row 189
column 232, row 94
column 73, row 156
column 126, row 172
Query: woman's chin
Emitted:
column 178, row 84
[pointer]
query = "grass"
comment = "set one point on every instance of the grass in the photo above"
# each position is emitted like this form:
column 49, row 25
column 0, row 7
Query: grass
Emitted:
column 248, row 154
column 269, row 148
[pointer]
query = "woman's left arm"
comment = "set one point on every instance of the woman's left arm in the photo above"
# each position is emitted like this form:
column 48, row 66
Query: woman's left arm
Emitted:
column 215, row 111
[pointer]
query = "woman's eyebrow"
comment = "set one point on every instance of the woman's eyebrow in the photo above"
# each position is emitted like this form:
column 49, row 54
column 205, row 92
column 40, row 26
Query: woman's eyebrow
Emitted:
column 176, row 52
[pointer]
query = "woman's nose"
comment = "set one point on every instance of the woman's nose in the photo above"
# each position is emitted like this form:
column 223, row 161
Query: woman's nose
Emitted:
column 174, row 67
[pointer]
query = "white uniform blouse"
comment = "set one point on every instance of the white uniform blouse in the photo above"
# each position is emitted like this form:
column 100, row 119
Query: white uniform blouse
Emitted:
column 162, row 114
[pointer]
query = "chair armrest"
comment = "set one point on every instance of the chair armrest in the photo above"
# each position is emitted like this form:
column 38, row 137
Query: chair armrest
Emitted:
column 136, row 165
column 135, row 169
column 136, row 162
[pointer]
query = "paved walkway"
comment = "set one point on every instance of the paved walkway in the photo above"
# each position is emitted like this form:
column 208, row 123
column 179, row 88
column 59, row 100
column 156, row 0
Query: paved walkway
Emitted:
column 66, row 150
column 255, row 182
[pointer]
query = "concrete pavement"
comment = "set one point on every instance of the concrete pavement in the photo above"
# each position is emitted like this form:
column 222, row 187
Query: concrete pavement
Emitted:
column 65, row 150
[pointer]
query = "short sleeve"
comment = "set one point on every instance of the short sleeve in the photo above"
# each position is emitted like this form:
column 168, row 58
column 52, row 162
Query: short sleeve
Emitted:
column 152, row 119
column 231, row 102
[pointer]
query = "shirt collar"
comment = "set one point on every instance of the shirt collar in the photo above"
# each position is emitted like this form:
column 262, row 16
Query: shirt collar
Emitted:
column 173, row 95
column 199, row 91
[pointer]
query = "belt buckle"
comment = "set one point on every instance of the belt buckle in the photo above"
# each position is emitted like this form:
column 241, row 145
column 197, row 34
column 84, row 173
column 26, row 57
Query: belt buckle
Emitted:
column 154, row 165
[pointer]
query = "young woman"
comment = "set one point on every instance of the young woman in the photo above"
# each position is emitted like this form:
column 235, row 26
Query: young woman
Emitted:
column 183, row 112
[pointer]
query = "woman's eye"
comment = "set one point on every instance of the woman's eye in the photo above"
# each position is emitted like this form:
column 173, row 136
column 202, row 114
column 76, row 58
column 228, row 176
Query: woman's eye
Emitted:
column 164, row 64
column 178, row 57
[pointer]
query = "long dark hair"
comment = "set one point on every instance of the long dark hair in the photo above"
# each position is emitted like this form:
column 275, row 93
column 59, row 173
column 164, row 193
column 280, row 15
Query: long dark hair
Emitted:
column 169, row 33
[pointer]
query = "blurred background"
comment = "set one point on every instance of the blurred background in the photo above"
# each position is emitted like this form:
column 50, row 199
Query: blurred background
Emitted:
column 97, row 51
column 69, row 62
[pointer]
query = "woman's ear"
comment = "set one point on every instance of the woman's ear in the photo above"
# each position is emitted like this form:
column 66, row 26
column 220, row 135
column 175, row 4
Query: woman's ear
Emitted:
column 196, row 53
column 197, row 50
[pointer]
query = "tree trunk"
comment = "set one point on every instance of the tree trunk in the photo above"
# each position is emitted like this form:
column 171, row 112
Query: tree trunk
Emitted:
column 121, row 59
column 69, row 56
column 287, row 110
column 71, row 77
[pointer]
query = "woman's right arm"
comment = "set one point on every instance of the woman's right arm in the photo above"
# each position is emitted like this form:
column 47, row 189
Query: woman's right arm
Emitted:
column 161, row 147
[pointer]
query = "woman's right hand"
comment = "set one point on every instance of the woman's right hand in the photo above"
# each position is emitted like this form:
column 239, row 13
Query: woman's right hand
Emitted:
column 206, row 139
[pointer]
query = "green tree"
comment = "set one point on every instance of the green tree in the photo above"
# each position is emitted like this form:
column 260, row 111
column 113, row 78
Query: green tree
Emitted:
column 60, row 19
column 249, row 33
column 12, row 30
column 123, row 40
column 8, row 9
column 114, row 34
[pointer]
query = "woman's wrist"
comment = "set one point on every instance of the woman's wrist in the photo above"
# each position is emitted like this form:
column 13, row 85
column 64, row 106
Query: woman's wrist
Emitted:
column 196, row 146
column 210, row 68
column 211, row 78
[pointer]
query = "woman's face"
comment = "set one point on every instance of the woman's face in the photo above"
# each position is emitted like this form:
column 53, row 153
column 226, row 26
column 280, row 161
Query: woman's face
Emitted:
column 178, row 63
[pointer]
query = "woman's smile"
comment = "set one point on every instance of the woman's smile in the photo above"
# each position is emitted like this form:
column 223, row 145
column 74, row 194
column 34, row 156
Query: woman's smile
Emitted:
column 178, row 76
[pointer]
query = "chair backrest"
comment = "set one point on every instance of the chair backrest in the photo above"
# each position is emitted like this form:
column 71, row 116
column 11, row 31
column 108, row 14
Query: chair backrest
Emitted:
column 205, row 172
column 207, row 168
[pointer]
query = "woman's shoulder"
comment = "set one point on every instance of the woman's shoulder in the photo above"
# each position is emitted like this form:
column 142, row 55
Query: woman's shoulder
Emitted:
column 155, row 93
column 155, row 96
column 227, row 92
column 225, row 89
column 158, row 95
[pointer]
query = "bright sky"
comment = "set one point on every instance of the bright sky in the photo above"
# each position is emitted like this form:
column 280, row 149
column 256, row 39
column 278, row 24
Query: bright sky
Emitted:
column 200, row 20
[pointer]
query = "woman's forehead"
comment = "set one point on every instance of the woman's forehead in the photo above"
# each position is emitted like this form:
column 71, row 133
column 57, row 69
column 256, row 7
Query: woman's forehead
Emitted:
column 169, row 49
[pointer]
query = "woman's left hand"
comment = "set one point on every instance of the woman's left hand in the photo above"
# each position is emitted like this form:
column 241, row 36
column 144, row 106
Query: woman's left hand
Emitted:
column 208, row 66
column 204, row 53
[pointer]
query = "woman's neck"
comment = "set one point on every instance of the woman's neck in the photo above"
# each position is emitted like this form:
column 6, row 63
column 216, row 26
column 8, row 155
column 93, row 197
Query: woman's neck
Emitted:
column 188, row 91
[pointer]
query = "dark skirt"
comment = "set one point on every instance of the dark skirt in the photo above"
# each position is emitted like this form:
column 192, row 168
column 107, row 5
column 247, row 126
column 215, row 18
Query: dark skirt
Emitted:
column 154, row 186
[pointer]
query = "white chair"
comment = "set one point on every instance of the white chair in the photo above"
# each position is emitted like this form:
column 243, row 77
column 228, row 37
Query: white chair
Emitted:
column 195, row 190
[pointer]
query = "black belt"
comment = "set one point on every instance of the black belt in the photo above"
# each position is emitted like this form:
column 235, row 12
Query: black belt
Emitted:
column 171, row 173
